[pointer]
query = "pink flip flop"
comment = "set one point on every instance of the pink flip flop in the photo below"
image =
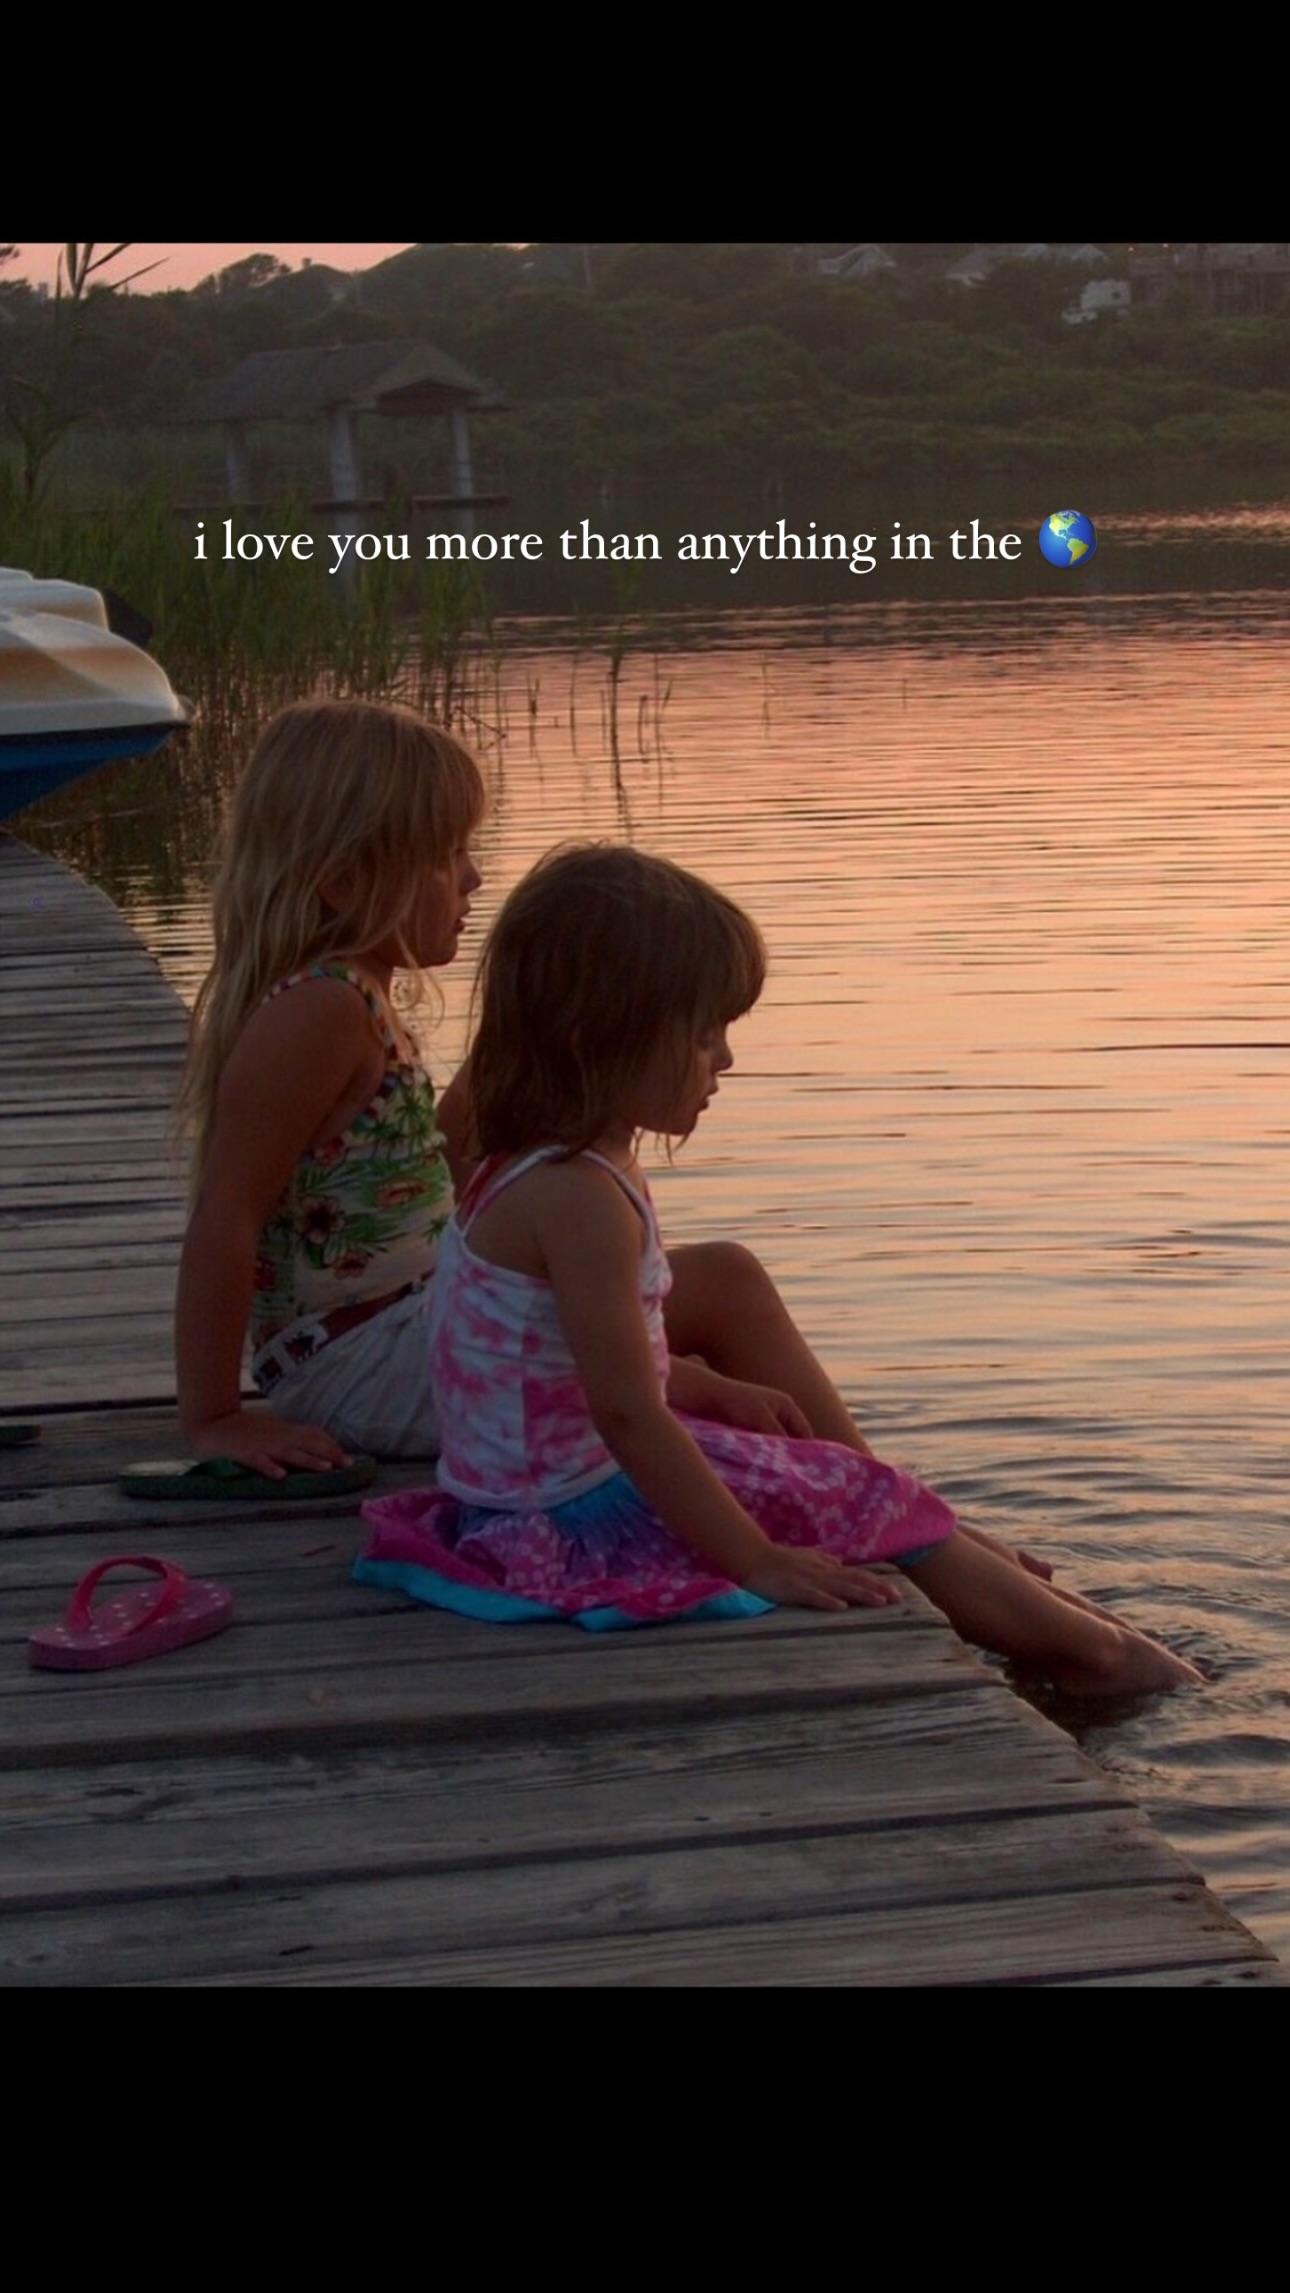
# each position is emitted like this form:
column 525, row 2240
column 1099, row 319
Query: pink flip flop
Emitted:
column 139, row 1622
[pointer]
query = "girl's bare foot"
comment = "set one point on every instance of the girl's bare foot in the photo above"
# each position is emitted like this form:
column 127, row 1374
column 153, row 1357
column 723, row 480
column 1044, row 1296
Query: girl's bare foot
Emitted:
column 1045, row 1633
column 1131, row 1665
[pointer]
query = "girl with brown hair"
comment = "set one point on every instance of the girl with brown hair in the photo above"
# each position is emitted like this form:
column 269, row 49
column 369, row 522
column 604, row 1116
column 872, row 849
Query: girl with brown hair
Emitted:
column 569, row 1483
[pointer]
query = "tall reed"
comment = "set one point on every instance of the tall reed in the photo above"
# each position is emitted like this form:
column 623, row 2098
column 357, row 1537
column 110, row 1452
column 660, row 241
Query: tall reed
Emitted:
column 241, row 638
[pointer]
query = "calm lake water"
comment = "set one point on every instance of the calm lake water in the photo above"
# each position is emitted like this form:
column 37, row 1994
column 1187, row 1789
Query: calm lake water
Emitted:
column 1010, row 1124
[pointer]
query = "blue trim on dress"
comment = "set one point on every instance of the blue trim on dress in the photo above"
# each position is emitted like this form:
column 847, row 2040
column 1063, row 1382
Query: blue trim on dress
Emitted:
column 426, row 1584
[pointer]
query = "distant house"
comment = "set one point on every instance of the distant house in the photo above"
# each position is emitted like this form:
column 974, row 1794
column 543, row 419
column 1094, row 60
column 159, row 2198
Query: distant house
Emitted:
column 972, row 268
column 1097, row 296
column 1234, row 279
column 867, row 261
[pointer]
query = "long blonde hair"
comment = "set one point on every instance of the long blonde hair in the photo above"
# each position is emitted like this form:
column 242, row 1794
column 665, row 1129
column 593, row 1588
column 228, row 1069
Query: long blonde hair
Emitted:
column 599, row 958
column 335, row 790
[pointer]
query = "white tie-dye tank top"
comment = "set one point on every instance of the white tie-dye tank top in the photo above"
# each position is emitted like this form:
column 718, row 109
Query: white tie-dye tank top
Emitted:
column 516, row 1429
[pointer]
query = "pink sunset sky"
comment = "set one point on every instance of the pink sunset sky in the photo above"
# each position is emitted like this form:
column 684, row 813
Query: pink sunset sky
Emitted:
column 188, row 260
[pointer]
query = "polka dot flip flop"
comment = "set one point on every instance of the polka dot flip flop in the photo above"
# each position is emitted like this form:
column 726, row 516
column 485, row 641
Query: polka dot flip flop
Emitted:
column 139, row 1621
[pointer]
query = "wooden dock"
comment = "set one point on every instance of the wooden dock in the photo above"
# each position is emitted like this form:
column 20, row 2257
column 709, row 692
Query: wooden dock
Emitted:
column 346, row 1789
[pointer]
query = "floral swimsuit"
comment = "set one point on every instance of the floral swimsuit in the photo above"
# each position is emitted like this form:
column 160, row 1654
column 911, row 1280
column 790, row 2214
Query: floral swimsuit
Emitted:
column 360, row 1217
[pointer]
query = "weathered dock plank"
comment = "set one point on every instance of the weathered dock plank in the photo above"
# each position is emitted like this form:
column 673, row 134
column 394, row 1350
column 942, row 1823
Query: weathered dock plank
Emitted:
column 669, row 1909
column 207, row 1822
column 424, row 1694
column 346, row 1788
column 81, row 996
column 1035, row 1939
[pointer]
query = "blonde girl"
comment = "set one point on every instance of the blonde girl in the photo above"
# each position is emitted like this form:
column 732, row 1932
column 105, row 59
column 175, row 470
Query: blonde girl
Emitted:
column 567, row 1485
column 320, row 1181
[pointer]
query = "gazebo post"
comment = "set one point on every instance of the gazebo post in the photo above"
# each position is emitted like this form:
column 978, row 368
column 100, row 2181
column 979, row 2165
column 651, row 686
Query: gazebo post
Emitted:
column 339, row 385
column 346, row 483
column 463, row 476
column 235, row 462
column 343, row 446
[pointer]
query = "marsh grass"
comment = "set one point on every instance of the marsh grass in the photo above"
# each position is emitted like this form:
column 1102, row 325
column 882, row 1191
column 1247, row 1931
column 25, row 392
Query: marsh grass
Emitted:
column 626, row 595
column 239, row 639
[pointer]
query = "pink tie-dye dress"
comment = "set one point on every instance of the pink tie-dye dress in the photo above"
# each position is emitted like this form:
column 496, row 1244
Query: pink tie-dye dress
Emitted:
column 533, row 1517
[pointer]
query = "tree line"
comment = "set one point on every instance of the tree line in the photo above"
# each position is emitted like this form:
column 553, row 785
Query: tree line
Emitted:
column 639, row 366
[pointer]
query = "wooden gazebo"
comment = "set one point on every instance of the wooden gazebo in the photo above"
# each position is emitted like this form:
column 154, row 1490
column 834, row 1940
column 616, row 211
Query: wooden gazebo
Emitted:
column 338, row 386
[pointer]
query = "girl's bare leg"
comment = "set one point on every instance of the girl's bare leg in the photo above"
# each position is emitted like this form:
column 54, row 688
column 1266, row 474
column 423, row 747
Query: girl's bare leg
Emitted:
column 1000, row 1607
column 1018, row 1557
column 724, row 1305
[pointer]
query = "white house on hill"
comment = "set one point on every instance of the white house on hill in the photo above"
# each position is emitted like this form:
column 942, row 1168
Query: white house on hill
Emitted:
column 866, row 261
column 1096, row 296
column 972, row 268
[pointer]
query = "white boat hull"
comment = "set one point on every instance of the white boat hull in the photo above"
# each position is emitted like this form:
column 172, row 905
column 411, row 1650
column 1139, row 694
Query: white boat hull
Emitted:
column 73, row 695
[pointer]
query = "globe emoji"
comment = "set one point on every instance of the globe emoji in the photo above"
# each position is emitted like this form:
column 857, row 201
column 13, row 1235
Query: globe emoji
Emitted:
column 1067, row 538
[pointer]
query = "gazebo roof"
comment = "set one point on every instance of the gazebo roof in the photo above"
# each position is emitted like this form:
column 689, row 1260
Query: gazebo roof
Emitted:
column 364, row 377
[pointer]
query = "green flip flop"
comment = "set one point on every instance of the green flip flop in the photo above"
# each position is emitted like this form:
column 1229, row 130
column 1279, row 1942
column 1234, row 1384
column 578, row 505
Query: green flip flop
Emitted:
column 224, row 1477
column 17, row 1436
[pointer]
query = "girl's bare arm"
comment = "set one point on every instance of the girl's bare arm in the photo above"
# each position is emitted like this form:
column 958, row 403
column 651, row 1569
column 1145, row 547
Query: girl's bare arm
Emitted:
column 295, row 1062
column 590, row 1241
column 453, row 1112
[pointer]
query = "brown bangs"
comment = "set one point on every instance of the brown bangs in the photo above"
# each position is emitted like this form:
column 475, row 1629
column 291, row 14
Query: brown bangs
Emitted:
column 599, row 958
